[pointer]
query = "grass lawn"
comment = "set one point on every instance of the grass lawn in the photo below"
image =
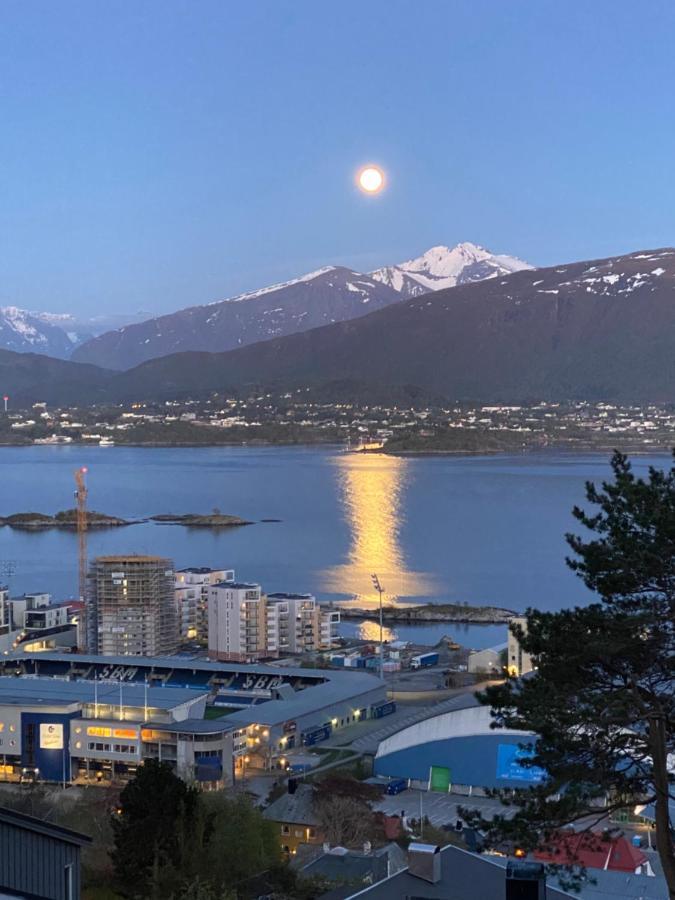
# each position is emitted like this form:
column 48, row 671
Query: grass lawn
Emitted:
column 217, row 712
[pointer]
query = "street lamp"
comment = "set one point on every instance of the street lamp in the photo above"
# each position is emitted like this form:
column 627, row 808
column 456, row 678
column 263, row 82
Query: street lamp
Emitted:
column 380, row 590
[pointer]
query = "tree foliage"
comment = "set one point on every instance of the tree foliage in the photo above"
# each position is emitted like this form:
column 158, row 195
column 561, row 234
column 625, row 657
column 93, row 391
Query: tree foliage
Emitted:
column 343, row 807
column 172, row 842
column 602, row 698
column 155, row 829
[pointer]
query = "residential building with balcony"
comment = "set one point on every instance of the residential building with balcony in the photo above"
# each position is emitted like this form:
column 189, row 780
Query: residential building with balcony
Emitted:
column 237, row 622
column 296, row 623
column 192, row 599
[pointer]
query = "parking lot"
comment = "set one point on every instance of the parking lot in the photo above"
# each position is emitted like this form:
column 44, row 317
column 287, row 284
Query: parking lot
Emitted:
column 441, row 809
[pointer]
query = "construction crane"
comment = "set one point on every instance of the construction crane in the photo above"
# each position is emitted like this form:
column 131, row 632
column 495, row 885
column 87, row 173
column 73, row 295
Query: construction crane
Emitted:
column 81, row 500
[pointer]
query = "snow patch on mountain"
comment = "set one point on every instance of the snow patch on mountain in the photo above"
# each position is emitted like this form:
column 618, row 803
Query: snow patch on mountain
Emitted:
column 250, row 295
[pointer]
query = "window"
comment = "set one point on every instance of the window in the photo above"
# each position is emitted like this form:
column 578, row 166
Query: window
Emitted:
column 285, row 829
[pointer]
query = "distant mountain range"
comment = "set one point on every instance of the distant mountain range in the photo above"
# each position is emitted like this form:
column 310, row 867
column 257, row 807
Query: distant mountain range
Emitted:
column 34, row 332
column 54, row 334
column 331, row 294
column 597, row 330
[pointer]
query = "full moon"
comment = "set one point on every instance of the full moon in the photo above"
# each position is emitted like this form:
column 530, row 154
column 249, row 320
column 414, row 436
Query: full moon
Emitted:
column 371, row 179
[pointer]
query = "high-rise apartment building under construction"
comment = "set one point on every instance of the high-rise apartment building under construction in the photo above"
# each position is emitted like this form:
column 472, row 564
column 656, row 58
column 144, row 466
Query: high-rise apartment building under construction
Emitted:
column 132, row 608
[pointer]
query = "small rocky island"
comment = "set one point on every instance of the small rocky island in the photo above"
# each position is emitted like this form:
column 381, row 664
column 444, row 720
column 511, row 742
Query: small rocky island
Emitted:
column 433, row 612
column 190, row 520
column 35, row 521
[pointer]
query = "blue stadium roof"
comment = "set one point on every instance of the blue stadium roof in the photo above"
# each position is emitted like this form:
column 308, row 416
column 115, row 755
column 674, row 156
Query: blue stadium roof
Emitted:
column 35, row 691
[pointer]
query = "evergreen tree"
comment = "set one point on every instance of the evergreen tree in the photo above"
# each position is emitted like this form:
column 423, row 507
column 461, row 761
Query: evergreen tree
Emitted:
column 155, row 830
column 602, row 698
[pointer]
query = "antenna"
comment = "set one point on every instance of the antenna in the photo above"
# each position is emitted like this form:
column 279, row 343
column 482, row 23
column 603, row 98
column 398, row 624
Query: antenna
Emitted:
column 81, row 500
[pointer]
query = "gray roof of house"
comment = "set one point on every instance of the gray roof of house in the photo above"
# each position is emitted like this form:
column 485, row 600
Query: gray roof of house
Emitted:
column 29, row 691
column 22, row 822
column 623, row 886
column 293, row 809
column 601, row 885
column 351, row 867
column 464, row 875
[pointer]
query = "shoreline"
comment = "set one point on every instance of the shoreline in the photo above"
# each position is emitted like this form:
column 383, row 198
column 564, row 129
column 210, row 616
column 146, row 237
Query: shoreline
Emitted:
column 630, row 449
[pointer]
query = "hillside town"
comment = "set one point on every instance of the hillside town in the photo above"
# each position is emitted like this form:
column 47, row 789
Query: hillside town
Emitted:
column 294, row 418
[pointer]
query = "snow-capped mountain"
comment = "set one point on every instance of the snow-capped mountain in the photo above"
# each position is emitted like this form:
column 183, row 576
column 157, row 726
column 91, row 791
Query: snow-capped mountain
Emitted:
column 331, row 294
column 444, row 267
column 327, row 295
column 34, row 332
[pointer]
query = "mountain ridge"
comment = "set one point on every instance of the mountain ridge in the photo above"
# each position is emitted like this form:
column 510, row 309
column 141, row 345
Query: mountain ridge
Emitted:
column 329, row 294
column 597, row 330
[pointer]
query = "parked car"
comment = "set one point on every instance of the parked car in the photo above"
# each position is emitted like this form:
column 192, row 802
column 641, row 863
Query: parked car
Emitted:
column 396, row 786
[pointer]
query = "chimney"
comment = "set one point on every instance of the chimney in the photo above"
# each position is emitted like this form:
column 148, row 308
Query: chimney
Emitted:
column 424, row 861
column 525, row 881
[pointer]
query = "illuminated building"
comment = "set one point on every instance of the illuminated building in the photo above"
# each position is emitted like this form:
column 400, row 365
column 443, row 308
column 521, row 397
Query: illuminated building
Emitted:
column 154, row 708
column 192, row 599
column 519, row 662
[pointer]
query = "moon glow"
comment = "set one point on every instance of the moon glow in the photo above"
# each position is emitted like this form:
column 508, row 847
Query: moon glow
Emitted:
column 370, row 179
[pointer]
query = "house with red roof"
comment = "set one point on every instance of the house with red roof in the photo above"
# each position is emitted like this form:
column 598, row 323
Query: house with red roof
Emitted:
column 594, row 850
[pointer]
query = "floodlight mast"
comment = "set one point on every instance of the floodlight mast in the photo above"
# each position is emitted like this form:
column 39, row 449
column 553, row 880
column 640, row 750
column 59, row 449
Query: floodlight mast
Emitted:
column 380, row 590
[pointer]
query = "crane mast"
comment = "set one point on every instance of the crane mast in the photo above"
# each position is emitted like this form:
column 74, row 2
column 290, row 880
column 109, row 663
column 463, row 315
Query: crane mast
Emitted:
column 81, row 499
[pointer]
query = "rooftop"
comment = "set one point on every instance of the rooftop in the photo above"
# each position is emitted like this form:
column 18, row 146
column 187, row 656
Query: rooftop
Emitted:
column 238, row 585
column 132, row 558
column 38, row 826
column 200, row 726
column 463, row 875
column 331, row 685
column 35, row 691
column 293, row 809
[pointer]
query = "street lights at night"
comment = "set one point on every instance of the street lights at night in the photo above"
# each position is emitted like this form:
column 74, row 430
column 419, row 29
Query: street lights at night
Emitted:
column 380, row 590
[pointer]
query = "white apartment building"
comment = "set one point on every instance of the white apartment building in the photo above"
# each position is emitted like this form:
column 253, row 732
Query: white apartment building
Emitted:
column 296, row 623
column 192, row 599
column 32, row 622
column 244, row 624
column 237, row 631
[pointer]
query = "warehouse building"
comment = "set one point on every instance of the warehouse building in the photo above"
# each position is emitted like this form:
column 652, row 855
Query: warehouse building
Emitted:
column 459, row 751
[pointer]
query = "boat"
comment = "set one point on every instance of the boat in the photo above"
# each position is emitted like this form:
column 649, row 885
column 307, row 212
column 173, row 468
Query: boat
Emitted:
column 106, row 442
column 367, row 445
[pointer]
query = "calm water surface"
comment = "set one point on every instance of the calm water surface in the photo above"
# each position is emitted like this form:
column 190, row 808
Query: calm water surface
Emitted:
column 476, row 529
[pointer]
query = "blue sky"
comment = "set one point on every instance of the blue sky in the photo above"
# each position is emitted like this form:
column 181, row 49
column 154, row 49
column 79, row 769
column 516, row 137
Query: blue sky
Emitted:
column 159, row 153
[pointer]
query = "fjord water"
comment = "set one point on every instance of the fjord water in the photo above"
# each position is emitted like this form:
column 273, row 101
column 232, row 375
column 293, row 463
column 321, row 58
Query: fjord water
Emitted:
column 480, row 529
